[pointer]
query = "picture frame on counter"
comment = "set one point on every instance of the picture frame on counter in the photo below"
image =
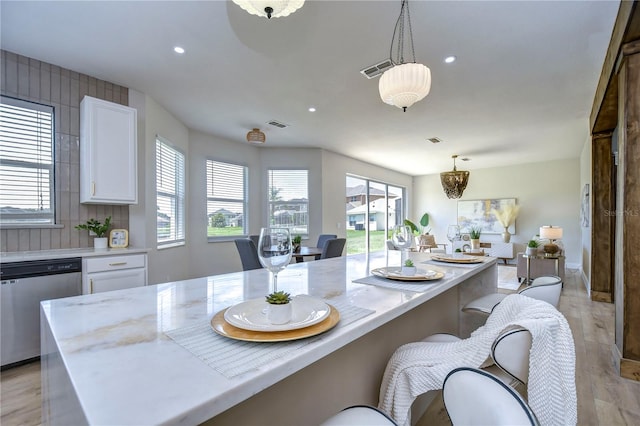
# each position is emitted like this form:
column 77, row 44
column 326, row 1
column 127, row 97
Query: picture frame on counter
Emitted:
column 119, row 238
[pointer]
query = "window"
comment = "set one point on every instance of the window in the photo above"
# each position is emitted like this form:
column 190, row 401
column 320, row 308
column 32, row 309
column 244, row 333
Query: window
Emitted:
column 226, row 199
column 170, row 171
column 26, row 163
column 289, row 200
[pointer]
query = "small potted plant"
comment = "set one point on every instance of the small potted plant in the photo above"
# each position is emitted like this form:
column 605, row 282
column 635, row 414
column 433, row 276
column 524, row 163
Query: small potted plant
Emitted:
column 474, row 235
column 98, row 228
column 279, row 310
column 408, row 268
column 532, row 248
column 296, row 241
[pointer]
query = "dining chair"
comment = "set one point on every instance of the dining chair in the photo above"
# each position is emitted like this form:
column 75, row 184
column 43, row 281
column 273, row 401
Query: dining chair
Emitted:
column 360, row 415
column 323, row 238
column 547, row 288
column 333, row 248
column 248, row 254
column 255, row 239
column 473, row 397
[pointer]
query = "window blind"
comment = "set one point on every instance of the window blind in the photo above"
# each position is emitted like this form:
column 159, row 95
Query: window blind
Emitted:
column 289, row 200
column 170, row 193
column 26, row 162
column 226, row 199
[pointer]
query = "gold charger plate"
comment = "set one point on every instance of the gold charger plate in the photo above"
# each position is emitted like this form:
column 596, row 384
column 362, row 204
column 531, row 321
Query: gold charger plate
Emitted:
column 392, row 274
column 466, row 259
column 222, row 327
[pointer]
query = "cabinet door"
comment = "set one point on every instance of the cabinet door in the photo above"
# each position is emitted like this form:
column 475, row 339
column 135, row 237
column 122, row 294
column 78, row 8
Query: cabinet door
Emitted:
column 108, row 152
column 115, row 280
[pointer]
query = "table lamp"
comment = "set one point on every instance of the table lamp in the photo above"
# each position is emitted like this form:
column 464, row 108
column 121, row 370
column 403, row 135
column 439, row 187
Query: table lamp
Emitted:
column 551, row 233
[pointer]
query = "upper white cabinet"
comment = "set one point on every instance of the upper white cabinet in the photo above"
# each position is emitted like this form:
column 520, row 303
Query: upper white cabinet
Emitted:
column 108, row 153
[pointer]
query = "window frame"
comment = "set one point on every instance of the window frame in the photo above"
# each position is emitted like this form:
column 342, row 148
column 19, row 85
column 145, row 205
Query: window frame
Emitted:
column 33, row 220
column 179, row 196
column 244, row 200
column 304, row 235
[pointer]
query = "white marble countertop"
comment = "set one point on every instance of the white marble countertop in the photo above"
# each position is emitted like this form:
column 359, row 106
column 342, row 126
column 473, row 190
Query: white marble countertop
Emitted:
column 125, row 370
column 20, row 256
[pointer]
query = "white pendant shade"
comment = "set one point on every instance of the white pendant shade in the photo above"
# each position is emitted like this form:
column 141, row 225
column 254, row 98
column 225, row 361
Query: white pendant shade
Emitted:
column 405, row 84
column 279, row 7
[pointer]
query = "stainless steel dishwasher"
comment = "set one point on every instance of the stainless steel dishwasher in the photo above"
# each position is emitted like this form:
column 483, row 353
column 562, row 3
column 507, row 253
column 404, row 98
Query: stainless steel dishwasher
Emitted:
column 24, row 285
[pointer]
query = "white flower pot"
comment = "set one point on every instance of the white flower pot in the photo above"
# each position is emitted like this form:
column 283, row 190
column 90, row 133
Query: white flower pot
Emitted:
column 475, row 244
column 532, row 251
column 100, row 243
column 279, row 314
column 408, row 270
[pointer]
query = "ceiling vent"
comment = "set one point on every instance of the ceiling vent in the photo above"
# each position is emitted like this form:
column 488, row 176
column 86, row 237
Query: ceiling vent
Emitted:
column 277, row 124
column 377, row 69
column 435, row 140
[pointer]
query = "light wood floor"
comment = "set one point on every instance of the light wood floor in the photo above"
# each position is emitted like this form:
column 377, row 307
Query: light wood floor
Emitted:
column 603, row 397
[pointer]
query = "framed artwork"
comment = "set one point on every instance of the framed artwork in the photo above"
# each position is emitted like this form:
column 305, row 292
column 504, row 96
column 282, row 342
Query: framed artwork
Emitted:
column 477, row 213
column 118, row 238
column 584, row 207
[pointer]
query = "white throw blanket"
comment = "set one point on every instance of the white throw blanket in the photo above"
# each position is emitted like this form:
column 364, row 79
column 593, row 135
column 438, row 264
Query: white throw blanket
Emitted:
column 416, row 368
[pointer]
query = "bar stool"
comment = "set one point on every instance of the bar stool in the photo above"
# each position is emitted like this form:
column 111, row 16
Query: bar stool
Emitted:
column 360, row 415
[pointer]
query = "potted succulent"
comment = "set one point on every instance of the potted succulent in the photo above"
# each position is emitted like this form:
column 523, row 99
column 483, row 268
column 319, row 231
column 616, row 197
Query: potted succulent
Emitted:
column 296, row 241
column 532, row 248
column 474, row 235
column 279, row 310
column 408, row 268
column 98, row 228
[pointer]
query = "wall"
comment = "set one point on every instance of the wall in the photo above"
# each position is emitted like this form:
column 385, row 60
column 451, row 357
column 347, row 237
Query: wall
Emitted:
column 170, row 263
column 548, row 193
column 48, row 84
column 585, row 179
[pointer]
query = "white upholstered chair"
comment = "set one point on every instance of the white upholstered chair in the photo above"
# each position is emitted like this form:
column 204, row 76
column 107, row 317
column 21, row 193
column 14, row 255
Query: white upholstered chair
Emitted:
column 547, row 288
column 473, row 397
column 360, row 415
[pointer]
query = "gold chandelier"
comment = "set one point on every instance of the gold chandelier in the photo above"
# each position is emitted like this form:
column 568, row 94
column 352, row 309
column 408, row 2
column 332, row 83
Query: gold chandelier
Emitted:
column 454, row 182
column 270, row 8
column 405, row 83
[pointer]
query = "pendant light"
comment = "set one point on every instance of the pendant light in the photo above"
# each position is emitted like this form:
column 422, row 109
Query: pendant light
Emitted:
column 256, row 136
column 455, row 181
column 270, row 8
column 406, row 82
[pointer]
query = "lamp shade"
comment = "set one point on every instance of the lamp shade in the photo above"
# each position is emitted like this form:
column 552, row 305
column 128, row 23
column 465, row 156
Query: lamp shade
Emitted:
column 270, row 8
column 551, row 232
column 405, row 84
column 256, row 136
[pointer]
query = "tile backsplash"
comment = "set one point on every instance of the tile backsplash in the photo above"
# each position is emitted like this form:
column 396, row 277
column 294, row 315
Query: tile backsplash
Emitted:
column 37, row 81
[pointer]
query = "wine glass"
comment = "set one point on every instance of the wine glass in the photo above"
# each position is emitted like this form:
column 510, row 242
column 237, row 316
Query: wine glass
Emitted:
column 453, row 234
column 401, row 237
column 274, row 251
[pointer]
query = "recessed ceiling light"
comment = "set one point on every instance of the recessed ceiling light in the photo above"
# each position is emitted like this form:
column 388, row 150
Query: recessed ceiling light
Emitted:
column 178, row 49
column 312, row 109
column 449, row 59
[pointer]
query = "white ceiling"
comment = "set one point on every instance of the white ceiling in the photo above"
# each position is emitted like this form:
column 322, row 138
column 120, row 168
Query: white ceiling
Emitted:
column 521, row 90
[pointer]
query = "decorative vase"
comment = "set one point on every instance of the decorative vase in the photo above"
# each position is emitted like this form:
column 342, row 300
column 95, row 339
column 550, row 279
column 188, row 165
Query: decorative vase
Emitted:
column 506, row 235
column 532, row 251
column 408, row 270
column 100, row 243
column 475, row 244
column 279, row 314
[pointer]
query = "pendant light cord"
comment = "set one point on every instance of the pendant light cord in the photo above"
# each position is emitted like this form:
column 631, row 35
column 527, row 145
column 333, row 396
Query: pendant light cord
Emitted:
column 399, row 30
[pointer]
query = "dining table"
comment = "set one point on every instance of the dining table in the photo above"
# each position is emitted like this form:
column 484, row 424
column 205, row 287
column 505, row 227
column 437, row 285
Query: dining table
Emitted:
column 303, row 251
column 168, row 353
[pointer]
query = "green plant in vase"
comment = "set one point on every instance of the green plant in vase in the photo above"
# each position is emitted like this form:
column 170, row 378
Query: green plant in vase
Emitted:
column 474, row 235
column 408, row 268
column 279, row 308
column 532, row 247
column 278, row 298
column 98, row 228
column 296, row 241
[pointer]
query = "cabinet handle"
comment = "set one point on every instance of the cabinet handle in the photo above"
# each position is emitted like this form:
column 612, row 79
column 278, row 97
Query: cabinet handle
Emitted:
column 90, row 285
column 117, row 263
column 93, row 188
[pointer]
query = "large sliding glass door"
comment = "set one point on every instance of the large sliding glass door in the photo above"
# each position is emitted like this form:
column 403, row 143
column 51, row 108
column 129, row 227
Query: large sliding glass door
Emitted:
column 373, row 208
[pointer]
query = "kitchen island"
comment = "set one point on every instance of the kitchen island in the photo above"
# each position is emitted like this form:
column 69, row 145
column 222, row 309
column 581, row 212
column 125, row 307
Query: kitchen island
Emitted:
column 116, row 357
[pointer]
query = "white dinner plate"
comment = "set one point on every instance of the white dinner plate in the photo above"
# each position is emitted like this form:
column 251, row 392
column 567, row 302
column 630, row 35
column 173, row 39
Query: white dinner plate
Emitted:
column 395, row 273
column 252, row 314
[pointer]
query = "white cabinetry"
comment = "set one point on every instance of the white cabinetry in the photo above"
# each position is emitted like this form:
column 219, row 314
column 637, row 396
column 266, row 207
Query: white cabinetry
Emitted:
column 108, row 152
column 109, row 273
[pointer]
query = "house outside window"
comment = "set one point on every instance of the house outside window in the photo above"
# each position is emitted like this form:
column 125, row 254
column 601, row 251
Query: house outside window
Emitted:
column 226, row 200
column 26, row 163
column 170, row 193
column 289, row 200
